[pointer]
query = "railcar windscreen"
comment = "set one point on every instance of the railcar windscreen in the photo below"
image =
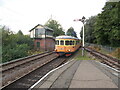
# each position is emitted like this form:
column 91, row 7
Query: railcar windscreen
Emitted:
column 61, row 42
column 57, row 42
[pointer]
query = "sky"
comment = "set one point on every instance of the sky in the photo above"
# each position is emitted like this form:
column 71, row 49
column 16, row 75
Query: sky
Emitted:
column 25, row 14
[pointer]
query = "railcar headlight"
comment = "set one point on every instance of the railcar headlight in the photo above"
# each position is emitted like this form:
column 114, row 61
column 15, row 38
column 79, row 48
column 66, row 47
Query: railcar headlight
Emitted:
column 55, row 49
column 69, row 50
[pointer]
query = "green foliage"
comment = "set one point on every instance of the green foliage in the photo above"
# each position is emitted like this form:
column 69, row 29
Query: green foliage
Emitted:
column 58, row 30
column 0, row 45
column 71, row 32
column 10, row 53
column 104, row 28
column 107, row 26
column 14, row 45
column 89, row 29
column 80, row 57
column 20, row 32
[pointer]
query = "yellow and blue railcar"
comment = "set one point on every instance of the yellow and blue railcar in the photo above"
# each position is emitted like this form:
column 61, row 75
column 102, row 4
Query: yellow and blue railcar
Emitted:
column 66, row 45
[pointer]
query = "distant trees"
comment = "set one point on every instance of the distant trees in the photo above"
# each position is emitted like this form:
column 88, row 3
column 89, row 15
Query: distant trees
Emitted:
column 14, row 45
column 104, row 28
column 71, row 32
column 20, row 32
column 53, row 24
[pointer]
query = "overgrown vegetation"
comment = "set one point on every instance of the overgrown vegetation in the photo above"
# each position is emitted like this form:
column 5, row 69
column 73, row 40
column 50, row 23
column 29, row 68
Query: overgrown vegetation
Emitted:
column 14, row 45
column 80, row 57
column 116, row 53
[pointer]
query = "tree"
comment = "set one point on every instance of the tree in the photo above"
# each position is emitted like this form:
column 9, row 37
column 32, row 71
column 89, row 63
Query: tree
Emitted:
column 53, row 24
column 89, row 29
column 14, row 45
column 107, row 26
column 71, row 32
column 20, row 32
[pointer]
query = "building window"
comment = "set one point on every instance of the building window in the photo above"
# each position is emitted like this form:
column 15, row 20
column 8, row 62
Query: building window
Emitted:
column 48, row 32
column 38, row 44
column 36, row 33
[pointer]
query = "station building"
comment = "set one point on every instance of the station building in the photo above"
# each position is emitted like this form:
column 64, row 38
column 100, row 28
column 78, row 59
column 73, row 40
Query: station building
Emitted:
column 43, row 38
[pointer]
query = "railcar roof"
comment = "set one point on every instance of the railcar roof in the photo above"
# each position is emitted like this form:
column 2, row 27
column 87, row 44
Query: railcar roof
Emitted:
column 66, row 37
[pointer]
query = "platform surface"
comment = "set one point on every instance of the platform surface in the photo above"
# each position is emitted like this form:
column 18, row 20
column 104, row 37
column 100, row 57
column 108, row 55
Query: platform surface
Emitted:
column 77, row 74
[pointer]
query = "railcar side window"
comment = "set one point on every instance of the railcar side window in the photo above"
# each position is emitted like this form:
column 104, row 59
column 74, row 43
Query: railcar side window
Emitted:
column 76, row 43
column 61, row 42
column 67, row 42
column 57, row 42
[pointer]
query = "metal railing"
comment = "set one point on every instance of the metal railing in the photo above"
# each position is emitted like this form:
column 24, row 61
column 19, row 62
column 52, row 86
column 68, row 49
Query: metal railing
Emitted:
column 108, row 49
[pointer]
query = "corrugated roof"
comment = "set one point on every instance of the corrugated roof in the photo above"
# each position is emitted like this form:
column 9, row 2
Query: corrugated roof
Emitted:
column 66, row 37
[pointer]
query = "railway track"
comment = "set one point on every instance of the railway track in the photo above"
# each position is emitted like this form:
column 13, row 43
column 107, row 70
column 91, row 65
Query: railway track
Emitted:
column 14, row 63
column 112, row 62
column 27, row 81
column 26, row 74
column 17, row 69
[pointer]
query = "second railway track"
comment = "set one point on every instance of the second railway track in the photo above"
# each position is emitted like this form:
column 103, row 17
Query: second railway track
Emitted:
column 15, row 63
column 112, row 62
column 17, row 69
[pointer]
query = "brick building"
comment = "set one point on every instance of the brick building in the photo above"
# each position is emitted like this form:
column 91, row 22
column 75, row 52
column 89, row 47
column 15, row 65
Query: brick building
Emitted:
column 43, row 38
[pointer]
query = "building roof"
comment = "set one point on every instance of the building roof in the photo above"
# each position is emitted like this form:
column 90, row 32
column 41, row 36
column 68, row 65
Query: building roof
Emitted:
column 41, row 26
column 66, row 37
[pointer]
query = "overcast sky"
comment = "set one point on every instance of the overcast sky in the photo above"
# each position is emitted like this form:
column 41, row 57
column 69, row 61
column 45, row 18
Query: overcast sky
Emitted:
column 25, row 14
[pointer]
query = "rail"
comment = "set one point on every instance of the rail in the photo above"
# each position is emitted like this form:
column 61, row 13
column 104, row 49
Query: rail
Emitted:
column 15, row 70
column 17, row 62
column 113, row 62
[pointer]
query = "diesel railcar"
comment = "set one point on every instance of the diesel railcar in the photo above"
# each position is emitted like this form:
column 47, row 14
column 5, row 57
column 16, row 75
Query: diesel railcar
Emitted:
column 66, row 45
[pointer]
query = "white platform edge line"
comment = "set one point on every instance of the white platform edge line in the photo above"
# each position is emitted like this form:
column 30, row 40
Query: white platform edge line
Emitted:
column 109, row 67
column 48, row 74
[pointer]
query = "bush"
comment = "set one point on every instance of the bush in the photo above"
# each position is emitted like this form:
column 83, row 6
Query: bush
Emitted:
column 15, row 45
column 116, row 53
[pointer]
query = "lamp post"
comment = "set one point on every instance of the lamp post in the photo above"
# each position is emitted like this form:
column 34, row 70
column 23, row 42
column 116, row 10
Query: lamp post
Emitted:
column 83, row 21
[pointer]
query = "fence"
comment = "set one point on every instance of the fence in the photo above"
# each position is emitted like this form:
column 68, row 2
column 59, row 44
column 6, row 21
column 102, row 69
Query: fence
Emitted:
column 105, row 48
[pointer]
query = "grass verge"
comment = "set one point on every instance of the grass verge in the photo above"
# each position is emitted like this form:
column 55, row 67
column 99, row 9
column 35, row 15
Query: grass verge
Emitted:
column 80, row 57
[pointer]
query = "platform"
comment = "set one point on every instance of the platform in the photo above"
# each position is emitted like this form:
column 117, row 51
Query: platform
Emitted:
column 77, row 74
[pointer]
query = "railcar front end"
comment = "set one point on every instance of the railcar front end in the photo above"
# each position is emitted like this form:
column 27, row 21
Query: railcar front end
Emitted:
column 66, row 45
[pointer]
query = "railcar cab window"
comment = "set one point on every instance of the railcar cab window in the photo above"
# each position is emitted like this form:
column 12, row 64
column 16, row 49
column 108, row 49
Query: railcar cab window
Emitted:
column 61, row 42
column 67, row 42
column 57, row 42
column 71, row 42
